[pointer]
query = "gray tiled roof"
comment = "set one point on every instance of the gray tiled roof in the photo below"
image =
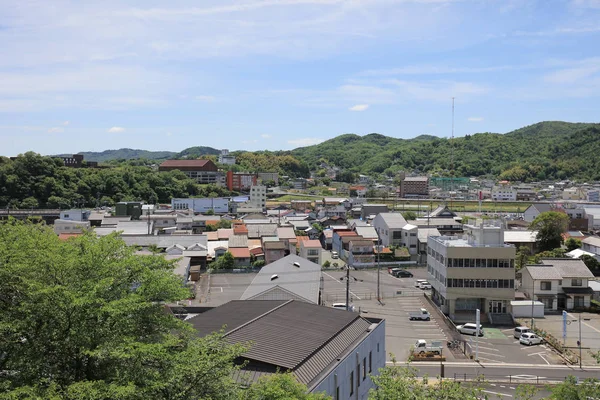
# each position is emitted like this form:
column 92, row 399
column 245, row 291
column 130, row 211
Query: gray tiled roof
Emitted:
column 164, row 241
column 541, row 272
column 569, row 268
column 393, row 220
column 303, row 281
column 260, row 230
column 542, row 207
column 238, row 241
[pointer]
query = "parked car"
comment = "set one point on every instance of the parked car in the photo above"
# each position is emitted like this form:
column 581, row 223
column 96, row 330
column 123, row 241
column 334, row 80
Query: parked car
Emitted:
column 334, row 255
column 470, row 329
column 419, row 281
column 530, row 338
column 519, row 330
column 392, row 271
column 423, row 315
column 424, row 285
column 403, row 274
column 342, row 306
column 421, row 346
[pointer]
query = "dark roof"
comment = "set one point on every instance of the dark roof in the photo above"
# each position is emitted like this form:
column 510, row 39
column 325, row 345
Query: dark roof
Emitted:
column 304, row 338
column 274, row 245
column 185, row 163
column 579, row 290
column 542, row 207
column 233, row 314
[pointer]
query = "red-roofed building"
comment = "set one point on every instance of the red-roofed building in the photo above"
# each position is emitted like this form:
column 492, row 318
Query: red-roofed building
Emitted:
column 240, row 229
column 203, row 171
column 241, row 256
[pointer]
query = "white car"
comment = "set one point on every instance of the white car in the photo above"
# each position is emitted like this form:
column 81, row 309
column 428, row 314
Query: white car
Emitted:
column 530, row 338
column 342, row 306
column 469, row 329
column 335, row 255
column 419, row 281
column 424, row 285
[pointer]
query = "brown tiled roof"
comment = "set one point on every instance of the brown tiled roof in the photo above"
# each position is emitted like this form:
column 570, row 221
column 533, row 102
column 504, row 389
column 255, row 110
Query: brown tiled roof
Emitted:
column 184, row 163
column 312, row 244
column 239, row 252
column 274, row 245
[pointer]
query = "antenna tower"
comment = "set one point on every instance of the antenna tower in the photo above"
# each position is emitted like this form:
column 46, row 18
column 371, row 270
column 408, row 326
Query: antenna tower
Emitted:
column 452, row 157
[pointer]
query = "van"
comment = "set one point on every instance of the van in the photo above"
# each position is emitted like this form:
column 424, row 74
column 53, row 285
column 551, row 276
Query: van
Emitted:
column 469, row 329
column 519, row 330
column 418, row 282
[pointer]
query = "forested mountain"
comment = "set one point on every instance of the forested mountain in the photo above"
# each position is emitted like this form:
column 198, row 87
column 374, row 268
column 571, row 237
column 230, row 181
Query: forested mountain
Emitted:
column 123, row 154
column 546, row 150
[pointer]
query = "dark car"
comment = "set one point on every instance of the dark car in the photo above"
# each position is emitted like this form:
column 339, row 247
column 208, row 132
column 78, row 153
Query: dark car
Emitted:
column 403, row 274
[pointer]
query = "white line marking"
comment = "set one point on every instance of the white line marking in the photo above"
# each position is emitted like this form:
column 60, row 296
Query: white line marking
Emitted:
column 536, row 354
column 491, row 354
column 512, row 388
column 588, row 325
column 496, row 393
column 544, row 359
column 341, row 283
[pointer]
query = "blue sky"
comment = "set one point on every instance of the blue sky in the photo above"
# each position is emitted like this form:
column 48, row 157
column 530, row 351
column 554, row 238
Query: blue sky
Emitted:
column 279, row 74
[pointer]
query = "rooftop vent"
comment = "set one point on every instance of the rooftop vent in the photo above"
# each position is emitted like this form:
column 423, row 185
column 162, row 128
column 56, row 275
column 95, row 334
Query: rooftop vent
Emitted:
column 274, row 276
column 296, row 264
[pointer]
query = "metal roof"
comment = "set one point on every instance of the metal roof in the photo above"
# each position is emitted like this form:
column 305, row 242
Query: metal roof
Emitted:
column 424, row 233
column 303, row 281
column 592, row 241
column 164, row 241
column 392, row 220
column 569, row 268
column 286, row 233
column 262, row 229
column 520, row 236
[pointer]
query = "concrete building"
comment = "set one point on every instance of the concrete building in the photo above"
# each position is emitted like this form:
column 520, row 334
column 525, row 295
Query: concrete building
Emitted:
column 75, row 215
column 258, row 196
column 476, row 271
column 328, row 350
column 218, row 205
column 62, row 226
column 370, row 210
column 203, row 171
column 414, row 187
column 559, row 283
column 226, row 158
column 240, row 181
column 311, row 250
column 504, row 192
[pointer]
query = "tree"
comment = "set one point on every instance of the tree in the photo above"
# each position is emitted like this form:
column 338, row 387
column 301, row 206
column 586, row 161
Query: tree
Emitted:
column 571, row 389
column 409, row 215
column 226, row 261
column 550, row 226
column 326, row 264
column 591, row 263
column 85, row 319
column 572, row 244
column 281, row 386
column 397, row 382
column 522, row 257
column 30, row 202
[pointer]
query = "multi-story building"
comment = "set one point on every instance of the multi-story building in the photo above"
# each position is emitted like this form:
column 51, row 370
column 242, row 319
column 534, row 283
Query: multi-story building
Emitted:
column 203, row 171
column 265, row 177
column 258, row 196
column 218, row 205
column 414, row 186
column 311, row 250
column 226, row 158
column 389, row 227
column 504, row 192
column 476, row 271
column 593, row 195
column 240, row 181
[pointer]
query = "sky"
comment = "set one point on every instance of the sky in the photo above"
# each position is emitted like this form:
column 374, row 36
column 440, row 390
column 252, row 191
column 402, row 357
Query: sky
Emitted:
column 279, row 74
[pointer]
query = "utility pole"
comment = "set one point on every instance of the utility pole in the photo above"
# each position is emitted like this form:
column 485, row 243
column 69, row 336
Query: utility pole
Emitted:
column 378, row 267
column 347, row 288
column 532, row 301
column 579, row 343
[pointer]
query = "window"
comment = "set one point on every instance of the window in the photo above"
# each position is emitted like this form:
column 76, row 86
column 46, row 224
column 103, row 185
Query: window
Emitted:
column 351, row 383
column 378, row 347
column 358, row 374
column 560, row 282
column 576, row 282
column 364, row 368
column 337, row 393
column 546, row 285
column 370, row 362
column 66, row 216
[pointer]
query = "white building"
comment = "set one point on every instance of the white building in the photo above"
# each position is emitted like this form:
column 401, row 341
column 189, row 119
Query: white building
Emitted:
column 219, row 205
column 389, row 227
column 504, row 193
column 258, row 196
column 226, row 158
column 75, row 215
column 472, row 272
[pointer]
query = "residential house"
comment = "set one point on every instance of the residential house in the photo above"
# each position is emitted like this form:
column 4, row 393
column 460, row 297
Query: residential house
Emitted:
column 301, row 205
column 526, row 195
column 559, row 283
column 422, row 238
column 241, row 256
column 410, row 239
column 595, row 286
column 326, row 239
column 368, row 211
column 75, row 215
column 441, row 212
column 536, row 209
column 311, row 250
column 473, row 272
column 360, row 252
column 389, row 227
column 328, row 350
column 574, row 193
column 336, row 240
column 274, row 250
column 287, row 235
column 591, row 244
column 520, row 239
column 327, row 222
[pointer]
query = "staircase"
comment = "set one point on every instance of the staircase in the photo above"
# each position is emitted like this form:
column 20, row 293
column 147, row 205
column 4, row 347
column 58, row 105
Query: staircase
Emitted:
column 501, row 320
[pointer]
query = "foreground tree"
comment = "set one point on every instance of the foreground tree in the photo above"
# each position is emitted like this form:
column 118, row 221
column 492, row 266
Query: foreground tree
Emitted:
column 550, row 226
column 280, row 387
column 85, row 319
column 572, row 244
column 571, row 389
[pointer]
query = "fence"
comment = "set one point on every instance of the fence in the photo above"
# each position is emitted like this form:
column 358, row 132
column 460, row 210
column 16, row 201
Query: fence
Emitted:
column 341, row 297
column 530, row 379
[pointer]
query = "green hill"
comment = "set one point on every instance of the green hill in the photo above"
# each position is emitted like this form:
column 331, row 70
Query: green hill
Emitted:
column 546, row 150
column 123, row 154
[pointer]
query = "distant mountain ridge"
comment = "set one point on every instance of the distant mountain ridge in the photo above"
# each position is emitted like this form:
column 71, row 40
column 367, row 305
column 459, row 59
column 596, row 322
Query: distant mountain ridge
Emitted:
column 128, row 154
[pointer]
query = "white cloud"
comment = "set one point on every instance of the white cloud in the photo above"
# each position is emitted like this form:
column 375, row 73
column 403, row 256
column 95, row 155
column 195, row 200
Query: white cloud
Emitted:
column 169, row 133
column 359, row 107
column 116, row 129
column 206, row 99
column 56, row 129
column 304, row 142
column 66, row 123
column 572, row 75
column 250, row 141
column 475, row 119
column 265, row 136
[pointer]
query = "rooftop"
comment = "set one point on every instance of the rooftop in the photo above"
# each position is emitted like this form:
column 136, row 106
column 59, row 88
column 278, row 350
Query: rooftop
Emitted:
column 184, row 163
column 393, row 220
column 459, row 241
column 569, row 268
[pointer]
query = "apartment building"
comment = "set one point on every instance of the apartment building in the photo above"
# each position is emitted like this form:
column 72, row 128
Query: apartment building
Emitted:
column 240, row 181
column 475, row 271
column 414, row 186
column 203, row 171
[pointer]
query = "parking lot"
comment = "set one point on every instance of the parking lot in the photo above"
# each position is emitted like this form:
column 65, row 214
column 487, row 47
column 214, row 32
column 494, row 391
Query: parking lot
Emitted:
column 225, row 287
column 590, row 332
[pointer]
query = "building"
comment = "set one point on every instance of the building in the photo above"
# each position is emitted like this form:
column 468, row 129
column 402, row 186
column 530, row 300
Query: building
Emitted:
column 240, row 181
column 328, row 350
column 536, row 209
column 389, row 227
column 300, row 183
column 504, row 192
column 75, row 215
column 203, row 171
column 360, row 251
column 226, row 158
column 301, row 205
column 62, row 226
column 76, row 161
column 559, row 283
column 218, row 205
column 258, row 197
column 131, row 209
column 267, row 177
column 476, row 271
column 311, row 250
column 289, row 278
column 368, row 211
column 591, row 244
column 574, row 193
column 274, row 250
column 414, row 186
column 520, row 239
column 593, row 195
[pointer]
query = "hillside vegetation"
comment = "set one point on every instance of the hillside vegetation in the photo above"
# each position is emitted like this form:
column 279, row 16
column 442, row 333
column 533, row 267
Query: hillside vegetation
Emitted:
column 546, row 150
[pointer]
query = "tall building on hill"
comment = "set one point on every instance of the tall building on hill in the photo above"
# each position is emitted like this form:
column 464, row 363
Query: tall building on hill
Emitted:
column 203, row 171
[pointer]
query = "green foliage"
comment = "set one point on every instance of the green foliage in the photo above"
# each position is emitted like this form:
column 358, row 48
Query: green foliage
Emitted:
column 124, row 154
column 222, row 224
column 226, row 261
column 84, row 319
column 572, row 244
column 282, row 386
column 570, row 389
column 550, row 226
column 326, row 264
column 591, row 263
column 397, row 382
column 523, row 257
column 526, row 392
column 33, row 177
column 258, row 263
column 266, row 161
column 547, row 150
column 409, row 215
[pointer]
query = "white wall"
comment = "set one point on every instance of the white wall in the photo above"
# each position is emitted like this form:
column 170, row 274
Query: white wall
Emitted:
column 220, row 205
